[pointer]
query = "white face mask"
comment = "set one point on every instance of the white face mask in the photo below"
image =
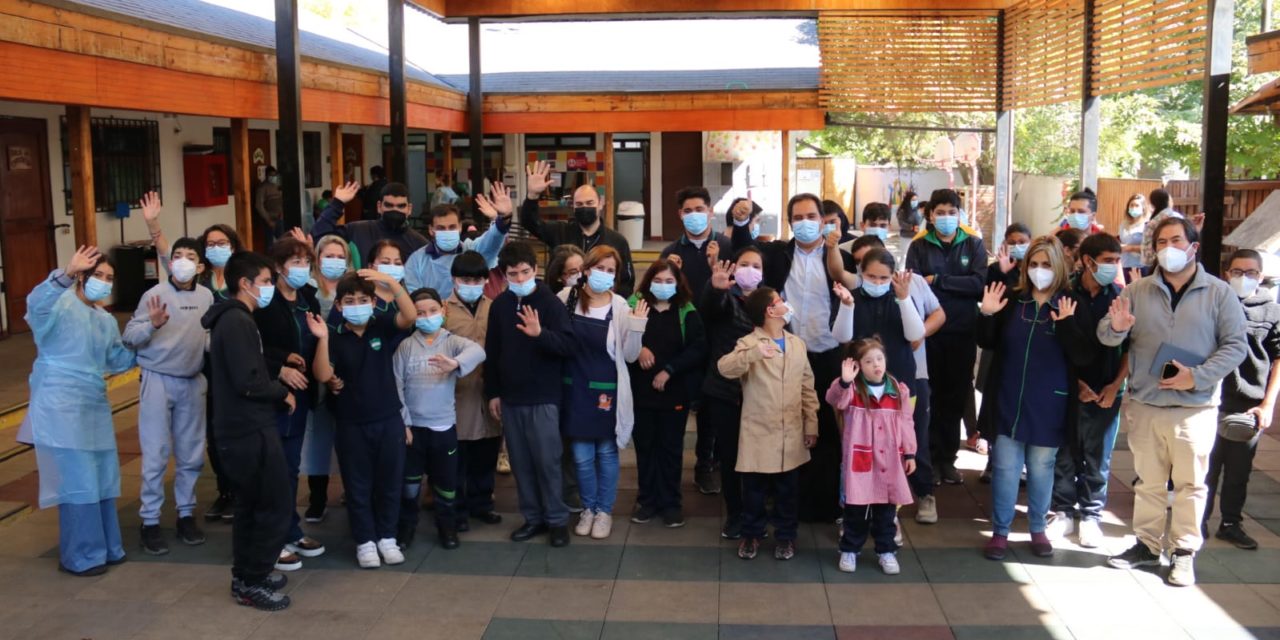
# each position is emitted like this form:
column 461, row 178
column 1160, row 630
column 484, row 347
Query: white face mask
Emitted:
column 1040, row 277
column 1172, row 259
column 1244, row 286
column 183, row 270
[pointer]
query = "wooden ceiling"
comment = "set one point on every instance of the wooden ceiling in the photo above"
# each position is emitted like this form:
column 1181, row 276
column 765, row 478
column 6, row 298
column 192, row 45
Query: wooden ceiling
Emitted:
column 451, row 10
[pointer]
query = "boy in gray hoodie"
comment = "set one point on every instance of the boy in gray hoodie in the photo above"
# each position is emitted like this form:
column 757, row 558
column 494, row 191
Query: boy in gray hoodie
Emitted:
column 165, row 331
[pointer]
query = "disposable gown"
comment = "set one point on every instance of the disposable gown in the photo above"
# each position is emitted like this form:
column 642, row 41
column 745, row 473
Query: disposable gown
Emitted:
column 69, row 415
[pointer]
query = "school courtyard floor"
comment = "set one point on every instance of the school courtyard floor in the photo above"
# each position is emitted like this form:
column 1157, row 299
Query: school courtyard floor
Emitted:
column 645, row 581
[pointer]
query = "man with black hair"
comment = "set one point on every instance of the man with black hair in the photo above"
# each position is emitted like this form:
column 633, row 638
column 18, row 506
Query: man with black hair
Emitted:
column 954, row 263
column 428, row 267
column 268, row 204
column 393, row 209
column 245, row 429
column 585, row 231
column 1081, row 213
column 698, row 241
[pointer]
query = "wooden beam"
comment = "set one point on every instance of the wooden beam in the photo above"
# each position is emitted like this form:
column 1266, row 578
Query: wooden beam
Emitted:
column 241, row 165
column 475, row 108
column 609, row 195
column 80, row 152
column 1264, row 52
column 447, row 163
column 784, row 225
column 289, row 110
column 706, row 120
column 398, row 168
column 616, row 9
column 673, row 101
column 336, row 161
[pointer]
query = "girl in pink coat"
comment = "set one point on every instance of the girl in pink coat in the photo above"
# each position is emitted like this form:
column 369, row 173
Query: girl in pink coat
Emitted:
column 879, row 444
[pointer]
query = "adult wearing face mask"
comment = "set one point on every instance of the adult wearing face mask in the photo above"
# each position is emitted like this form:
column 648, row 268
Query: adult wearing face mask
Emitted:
column 393, row 209
column 798, row 270
column 1131, row 231
column 1081, row 212
column 1186, row 332
column 268, row 205
column 428, row 267
column 954, row 263
column 585, row 231
column 743, row 213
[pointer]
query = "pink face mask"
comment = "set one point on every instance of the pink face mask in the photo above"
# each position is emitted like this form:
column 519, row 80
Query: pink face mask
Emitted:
column 748, row 278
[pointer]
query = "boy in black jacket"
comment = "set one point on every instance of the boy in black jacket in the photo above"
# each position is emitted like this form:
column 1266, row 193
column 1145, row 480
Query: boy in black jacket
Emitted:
column 245, row 428
column 527, row 340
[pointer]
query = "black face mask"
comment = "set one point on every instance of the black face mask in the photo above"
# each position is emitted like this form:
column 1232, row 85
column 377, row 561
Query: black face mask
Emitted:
column 586, row 216
column 393, row 219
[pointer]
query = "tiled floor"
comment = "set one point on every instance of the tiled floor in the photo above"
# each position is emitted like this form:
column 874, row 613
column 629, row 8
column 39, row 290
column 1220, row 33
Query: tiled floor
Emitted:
column 649, row 582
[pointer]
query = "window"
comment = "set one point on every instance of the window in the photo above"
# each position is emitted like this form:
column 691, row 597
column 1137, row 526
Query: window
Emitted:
column 554, row 142
column 126, row 161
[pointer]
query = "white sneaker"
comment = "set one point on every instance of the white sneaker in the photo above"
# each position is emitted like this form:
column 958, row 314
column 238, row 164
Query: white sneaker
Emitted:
column 927, row 511
column 367, row 556
column 585, row 520
column 1090, row 533
column 897, row 531
column 390, row 551
column 848, row 561
column 1060, row 525
column 602, row 526
column 889, row 564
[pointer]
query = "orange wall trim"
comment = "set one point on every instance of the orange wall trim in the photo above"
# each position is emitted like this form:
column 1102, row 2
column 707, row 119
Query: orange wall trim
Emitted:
column 708, row 120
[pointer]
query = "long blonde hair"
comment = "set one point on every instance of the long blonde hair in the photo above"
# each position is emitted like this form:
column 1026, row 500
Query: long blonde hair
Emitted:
column 1057, row 261
column 320, row 246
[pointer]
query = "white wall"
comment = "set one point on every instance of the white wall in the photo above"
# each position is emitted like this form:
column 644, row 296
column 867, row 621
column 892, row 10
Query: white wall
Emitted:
column 1037, row 201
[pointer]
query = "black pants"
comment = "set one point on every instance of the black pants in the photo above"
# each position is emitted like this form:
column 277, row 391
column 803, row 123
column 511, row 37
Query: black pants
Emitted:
column 705, row 445
column 756, row 488
column 874, row 520
column 820, row 477
column 569, row 476
column 725, row 417
column 1230, row 464
column 659, row 440
column 477, row 466
column 257, row 473
column 211, row 442
column 1080, row 473
column 951, row 357
column 432, row 455
column 922, row 480
column 371, row 458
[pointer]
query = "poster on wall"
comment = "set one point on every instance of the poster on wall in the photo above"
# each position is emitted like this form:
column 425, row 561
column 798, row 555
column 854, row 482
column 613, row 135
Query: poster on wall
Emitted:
column 739, row 146
column 809, row 181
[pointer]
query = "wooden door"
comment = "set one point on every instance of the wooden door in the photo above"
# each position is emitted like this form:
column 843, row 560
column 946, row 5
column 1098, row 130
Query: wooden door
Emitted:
column 681, row 167
column 26, row 214
column 353, row 169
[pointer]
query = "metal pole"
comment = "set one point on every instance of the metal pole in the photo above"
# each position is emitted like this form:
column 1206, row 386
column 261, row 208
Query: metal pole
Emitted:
column 1213, row 145
column 399, row 169
column 475, row 104
column 289, row 101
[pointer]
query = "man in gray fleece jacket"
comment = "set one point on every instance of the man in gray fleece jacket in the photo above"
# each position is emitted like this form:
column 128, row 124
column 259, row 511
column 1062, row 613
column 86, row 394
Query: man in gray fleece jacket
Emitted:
column 1180, row 312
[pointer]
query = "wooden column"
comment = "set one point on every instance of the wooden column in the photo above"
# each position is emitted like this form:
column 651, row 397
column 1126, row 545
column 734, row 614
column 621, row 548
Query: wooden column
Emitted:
column 336, row 161
column 1004, row 151
column 446, row 144
column 80, row 150
column 240, row 180
column 1090, row 107
column 399, row 166
column 289, row 101
column 610, row 205
column 784, row 225
column 1213, row 145
column 475, row 108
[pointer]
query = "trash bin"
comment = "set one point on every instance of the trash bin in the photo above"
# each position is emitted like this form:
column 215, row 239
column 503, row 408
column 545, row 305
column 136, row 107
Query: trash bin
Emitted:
column 631, row 223
column 135, row 273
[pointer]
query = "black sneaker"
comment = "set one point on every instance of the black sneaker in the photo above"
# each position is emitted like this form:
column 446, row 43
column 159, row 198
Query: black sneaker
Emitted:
column 560, row 536
column 448, row 537
column 707, row 480
column 189, row 532
column 951, row 476
column 153, row 541
column 672, row 519
column 461, row 525
column 1136, row 556
column 732, row 529
column 488, row 517
column 220, row 506
column 404, row 535
column 259, row 596
column 1235, row 534
column 643, row 514
column 315, row 513
column 274, row 582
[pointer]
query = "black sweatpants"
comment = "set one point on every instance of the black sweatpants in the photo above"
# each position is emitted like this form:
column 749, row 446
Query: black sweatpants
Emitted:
column 433, row 455
column 951, row 357
column 1230, row 464
column 820, row 477
column 257, row 474
column 659, row 440
column 371, row 458
column 756, row 488
column 725, row 417
column 861, row 520
column 704, row 447
column 477, row 466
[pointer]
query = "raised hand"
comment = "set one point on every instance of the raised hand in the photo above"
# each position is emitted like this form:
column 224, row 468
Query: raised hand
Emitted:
column 721, row 272
column 538, row 178
column 486, row 207
column 843, row 294
column 317, row 326
column 742, row 211
column 1122, row 319
column 347, row 192
column 1066, row 309
column 529, row 324
column 82, row 260
column 1135, row 274
column 443, row 363
column 676, row 260
column 641, row 310
column 297, row 234
column 713, row 252
column 848, row 370
column 902, row 284
column 832, row 240
column 150, row 207
column 993, row 299
column 647, row 359
column 157, row 311
column 1005, row 260
column 501, row 199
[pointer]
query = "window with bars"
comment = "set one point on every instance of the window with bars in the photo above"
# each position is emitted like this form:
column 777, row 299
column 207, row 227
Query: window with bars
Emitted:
column 126, row 161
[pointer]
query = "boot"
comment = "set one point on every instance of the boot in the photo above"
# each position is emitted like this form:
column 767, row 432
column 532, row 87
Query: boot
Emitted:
column 448, row 537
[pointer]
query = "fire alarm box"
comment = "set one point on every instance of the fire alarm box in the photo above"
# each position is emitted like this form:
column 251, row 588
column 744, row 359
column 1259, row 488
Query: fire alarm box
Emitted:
column 205, row 177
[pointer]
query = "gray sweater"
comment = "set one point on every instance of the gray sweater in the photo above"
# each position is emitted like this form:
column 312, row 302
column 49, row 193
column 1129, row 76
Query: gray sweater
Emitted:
column 177, row 348
column 1208, row 322
column 426, row 394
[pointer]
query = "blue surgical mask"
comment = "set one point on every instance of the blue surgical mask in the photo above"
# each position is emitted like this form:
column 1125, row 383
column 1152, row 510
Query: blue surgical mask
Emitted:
column 394, row 270
column 755, row 231
column 448, row 240
column 357, row 314
column 297, row 277
column 1106, row 273
column 828, row 228
column 333, row 268
column 600, row 281
column 429, row 324
column 790, row 314
column 1135, row 212
column 946, row 225
column 806, row 231
column 265, row 293
column 218, row 255
column 695, row 223
column 469, row 293
column 1078, row 221
column 663, row 290
column 879, row 232
column 915, row 204
column 522, row 289
column 96, row 290
column 964, row 217
column 1018, row 251
column 875, row 290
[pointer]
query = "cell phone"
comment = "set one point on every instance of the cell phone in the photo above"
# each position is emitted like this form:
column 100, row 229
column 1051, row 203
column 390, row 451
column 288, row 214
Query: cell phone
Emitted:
column 1169, row 371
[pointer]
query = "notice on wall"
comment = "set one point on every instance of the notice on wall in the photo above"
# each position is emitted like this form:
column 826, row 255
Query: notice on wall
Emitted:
column 809, row 181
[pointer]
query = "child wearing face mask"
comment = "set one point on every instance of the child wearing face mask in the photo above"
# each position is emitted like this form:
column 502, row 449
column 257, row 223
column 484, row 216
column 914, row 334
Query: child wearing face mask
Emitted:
column 165, row 331
column 370, row 433
column 427, row 366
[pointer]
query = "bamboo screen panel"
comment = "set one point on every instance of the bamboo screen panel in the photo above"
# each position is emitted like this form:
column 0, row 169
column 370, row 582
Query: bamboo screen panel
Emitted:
column 1147, row 43
column 904, row 61
column 1044, row 52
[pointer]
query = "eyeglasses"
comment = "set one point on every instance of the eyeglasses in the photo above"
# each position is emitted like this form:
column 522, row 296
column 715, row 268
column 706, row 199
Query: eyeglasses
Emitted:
column 1252, row 273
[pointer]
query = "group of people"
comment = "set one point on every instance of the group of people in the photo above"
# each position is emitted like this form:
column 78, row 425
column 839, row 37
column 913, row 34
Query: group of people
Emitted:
column 417, row 359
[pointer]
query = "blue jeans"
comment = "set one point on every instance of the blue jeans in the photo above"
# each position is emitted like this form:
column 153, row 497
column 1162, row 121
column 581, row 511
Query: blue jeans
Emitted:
column 597, row 462
column 1010, row 456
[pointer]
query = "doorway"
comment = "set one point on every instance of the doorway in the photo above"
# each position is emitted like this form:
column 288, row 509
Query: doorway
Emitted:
column 259, row 160
column 631, row 171
column 26, row 214
column 353, row 170
column 681, row 167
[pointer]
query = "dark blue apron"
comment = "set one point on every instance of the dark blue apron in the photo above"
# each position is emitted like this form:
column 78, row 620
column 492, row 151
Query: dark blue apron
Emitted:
column 882, row 317
column 591, row 382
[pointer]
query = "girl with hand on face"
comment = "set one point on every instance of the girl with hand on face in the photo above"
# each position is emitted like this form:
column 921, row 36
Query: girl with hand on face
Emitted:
column 385, row 258
column 565, row 267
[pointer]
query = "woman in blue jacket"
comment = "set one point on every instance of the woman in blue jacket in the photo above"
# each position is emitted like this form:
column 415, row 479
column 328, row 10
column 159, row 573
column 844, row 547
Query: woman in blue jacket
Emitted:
column 1037, row 345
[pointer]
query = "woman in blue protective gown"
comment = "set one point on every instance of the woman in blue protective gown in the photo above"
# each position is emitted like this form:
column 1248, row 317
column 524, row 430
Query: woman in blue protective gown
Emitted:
column 77, row 342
